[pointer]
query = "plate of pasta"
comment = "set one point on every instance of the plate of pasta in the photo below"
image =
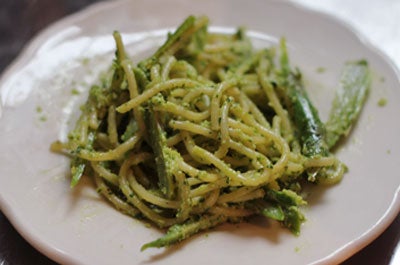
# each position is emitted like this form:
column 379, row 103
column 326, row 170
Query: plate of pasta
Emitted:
column 221, row 132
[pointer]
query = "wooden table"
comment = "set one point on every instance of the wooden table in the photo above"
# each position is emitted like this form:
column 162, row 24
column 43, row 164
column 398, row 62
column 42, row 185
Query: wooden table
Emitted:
column 22, row 19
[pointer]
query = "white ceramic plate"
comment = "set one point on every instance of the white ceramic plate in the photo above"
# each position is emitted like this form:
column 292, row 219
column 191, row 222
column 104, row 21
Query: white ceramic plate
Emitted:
column 39, row 105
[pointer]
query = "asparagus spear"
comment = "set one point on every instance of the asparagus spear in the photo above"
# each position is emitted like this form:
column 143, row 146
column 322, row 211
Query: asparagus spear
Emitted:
column 174, row 43
column 304, row 115
column 349, row 98
column 157, row 142
column 179, row 232
column 285, row 209
column 282, row 206
column 77, row 168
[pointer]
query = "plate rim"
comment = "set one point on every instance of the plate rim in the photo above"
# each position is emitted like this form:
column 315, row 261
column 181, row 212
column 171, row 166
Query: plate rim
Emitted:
column 33, row 45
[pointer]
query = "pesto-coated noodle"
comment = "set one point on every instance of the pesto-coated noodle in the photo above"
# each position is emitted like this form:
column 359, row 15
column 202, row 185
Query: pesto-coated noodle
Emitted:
column 201, row 133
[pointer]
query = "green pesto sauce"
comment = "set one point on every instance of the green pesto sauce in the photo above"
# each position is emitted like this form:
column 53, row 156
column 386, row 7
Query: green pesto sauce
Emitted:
column 172, row 159
column 75, row 91
column 382, row 102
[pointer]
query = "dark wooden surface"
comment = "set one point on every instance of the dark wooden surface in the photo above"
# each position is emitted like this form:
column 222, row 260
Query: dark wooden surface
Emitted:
column 20, row 20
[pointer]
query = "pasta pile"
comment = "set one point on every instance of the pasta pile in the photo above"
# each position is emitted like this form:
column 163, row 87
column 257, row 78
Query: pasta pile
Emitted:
column 199, row 134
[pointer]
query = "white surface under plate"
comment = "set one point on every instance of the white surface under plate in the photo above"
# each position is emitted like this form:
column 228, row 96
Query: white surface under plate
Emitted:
column 39, row 104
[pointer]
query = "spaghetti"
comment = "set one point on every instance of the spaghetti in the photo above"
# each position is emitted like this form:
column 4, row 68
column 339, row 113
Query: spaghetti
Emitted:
column 199, row 134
